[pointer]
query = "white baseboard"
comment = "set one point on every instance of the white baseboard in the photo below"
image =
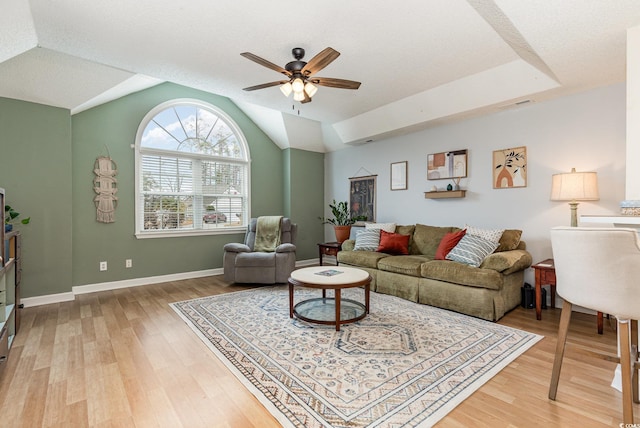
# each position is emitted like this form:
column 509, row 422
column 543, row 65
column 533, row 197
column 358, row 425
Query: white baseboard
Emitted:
column 114, row 285
column 135, row 282
column 47, row 299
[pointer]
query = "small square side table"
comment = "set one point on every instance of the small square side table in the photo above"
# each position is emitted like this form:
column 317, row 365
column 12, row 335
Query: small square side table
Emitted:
column 329, row 249
column 546, row 275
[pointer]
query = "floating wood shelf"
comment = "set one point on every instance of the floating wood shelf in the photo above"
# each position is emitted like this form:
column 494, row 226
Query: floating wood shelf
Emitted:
column 445, row 194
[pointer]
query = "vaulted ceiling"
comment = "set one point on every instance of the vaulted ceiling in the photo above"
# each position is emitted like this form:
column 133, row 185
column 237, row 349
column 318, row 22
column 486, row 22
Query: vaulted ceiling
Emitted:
column 421, row 62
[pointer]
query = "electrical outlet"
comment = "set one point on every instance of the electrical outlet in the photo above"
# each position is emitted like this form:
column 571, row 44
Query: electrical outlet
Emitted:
column 128, row 263
column 103, row 266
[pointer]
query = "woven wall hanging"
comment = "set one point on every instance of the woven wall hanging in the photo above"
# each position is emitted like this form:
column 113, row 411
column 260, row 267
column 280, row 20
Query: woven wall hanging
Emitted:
column 106, row 187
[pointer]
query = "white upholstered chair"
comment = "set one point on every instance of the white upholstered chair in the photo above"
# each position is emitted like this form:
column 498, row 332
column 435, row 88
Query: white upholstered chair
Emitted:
column 599, row 269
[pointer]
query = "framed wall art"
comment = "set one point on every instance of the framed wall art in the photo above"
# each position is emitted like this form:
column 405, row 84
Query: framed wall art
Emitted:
column 447, row 165
column 362, row 197
column 399, row 175
column 510, row 168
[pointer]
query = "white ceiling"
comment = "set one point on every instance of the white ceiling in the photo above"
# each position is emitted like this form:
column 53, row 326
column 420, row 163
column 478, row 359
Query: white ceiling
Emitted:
column 421, row 62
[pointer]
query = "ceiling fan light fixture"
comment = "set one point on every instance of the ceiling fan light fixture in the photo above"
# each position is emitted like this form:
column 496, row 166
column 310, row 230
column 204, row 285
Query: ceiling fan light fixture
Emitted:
column 310, row 89
column 300, row 74
column 297, row 85
column 286, row 89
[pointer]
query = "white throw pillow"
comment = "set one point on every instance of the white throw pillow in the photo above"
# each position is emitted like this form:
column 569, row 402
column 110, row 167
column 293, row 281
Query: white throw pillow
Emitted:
column 387, row 227
column 367, row 240
column 471, row 250
column 492, row 235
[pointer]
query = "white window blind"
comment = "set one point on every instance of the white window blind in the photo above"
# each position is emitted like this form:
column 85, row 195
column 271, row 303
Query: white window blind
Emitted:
column 192, row 172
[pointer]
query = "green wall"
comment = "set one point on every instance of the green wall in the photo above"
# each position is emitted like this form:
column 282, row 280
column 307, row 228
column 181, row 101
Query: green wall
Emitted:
column 46, row 166
column 35, row 171
column 304, row 200
column 111, row 128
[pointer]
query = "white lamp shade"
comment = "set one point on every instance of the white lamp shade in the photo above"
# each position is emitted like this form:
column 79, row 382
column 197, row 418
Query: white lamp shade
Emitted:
column 297, row 85
column 310, row 89
column 575, row 186
column 298, row 96
column 286, row 89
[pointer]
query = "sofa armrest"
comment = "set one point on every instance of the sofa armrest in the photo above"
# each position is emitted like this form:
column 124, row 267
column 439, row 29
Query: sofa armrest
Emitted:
column 286, row 248
column 507, row 262
column 348, row 245
column 235, row 247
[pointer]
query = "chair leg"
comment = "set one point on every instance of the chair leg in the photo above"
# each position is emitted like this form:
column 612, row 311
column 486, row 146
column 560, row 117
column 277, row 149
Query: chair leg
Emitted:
column 565, row 317
column 634, row 360
column 625, row 364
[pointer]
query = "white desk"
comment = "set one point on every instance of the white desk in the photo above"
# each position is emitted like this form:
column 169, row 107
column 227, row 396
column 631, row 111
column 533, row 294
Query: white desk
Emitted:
column 616, row 220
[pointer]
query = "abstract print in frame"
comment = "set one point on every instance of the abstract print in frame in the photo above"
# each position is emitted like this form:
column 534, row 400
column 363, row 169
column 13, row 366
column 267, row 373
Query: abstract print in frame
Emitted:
column 447, row 165
column 362, row 197
column 510, row 168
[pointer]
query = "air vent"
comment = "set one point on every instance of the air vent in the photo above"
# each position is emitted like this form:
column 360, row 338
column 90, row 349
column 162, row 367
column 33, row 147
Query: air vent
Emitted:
column 516, row 104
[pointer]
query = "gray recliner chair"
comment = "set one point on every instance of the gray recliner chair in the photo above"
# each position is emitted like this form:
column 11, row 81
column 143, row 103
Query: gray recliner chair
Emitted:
column 243, row 265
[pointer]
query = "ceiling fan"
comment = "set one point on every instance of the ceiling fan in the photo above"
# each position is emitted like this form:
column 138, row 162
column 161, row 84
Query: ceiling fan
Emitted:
column 299, row 74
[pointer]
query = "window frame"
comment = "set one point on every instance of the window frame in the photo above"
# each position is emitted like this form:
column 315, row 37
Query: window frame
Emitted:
column 140, row 233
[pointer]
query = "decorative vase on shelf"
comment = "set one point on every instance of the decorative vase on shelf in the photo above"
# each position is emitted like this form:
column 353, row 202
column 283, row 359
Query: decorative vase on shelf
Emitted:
column 456, row 187
column 449, row 187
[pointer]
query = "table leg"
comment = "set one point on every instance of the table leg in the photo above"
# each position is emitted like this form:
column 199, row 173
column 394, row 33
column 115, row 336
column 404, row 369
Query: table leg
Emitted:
column 367, row 289
column 538, row 300
column 600, row 323
column 320, row 254
column 337, row 299
column 290, row 300
column 553, row 295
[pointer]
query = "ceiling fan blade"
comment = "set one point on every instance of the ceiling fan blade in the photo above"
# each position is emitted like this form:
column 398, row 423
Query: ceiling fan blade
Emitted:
column 320, row 61
column 265, row 63
column 335, row 83
column 265, row 85
column 307, row 99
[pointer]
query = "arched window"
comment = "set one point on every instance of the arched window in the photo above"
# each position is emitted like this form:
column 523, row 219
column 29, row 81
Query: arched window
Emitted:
column 192, row 171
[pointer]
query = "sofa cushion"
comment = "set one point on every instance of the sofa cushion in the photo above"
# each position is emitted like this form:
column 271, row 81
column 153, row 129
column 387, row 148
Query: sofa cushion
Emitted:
column 367, row 240
column 393, row 243
column 492, row 235
column 507, row 261
column 387, row 227
column 407, row 230
column 406, row 265
column 367, row 259
column 472, row 250
column 509, row 240
column 458, row 273
column 449, row 241
column 427, row 238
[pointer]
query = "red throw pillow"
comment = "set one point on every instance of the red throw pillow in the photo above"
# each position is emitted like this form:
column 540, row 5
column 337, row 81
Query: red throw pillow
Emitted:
column 449, row 241
column 393, row 243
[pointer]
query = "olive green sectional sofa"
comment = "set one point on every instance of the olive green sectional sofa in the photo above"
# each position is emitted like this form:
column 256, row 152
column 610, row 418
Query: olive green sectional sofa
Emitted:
column 488, row 291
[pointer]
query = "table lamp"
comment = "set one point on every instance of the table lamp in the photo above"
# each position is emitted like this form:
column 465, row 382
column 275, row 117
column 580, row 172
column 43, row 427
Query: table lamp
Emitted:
column 573, row 187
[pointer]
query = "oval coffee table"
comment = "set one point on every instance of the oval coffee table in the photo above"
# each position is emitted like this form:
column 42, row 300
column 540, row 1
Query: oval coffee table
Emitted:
column 329, row 310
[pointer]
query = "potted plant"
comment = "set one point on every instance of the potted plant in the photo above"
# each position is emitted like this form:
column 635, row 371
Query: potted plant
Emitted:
column 342, row 220
column 10, row 215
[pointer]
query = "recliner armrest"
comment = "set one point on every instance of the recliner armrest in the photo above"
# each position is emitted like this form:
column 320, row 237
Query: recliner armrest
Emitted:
column 285, row 248
column 235, row 247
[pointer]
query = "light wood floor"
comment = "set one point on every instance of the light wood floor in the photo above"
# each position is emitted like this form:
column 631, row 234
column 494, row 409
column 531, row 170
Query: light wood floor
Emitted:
column 124, row 358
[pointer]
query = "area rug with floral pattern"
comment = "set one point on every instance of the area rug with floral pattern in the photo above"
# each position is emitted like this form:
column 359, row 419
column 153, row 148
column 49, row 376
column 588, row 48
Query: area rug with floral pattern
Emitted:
column 404, row 364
